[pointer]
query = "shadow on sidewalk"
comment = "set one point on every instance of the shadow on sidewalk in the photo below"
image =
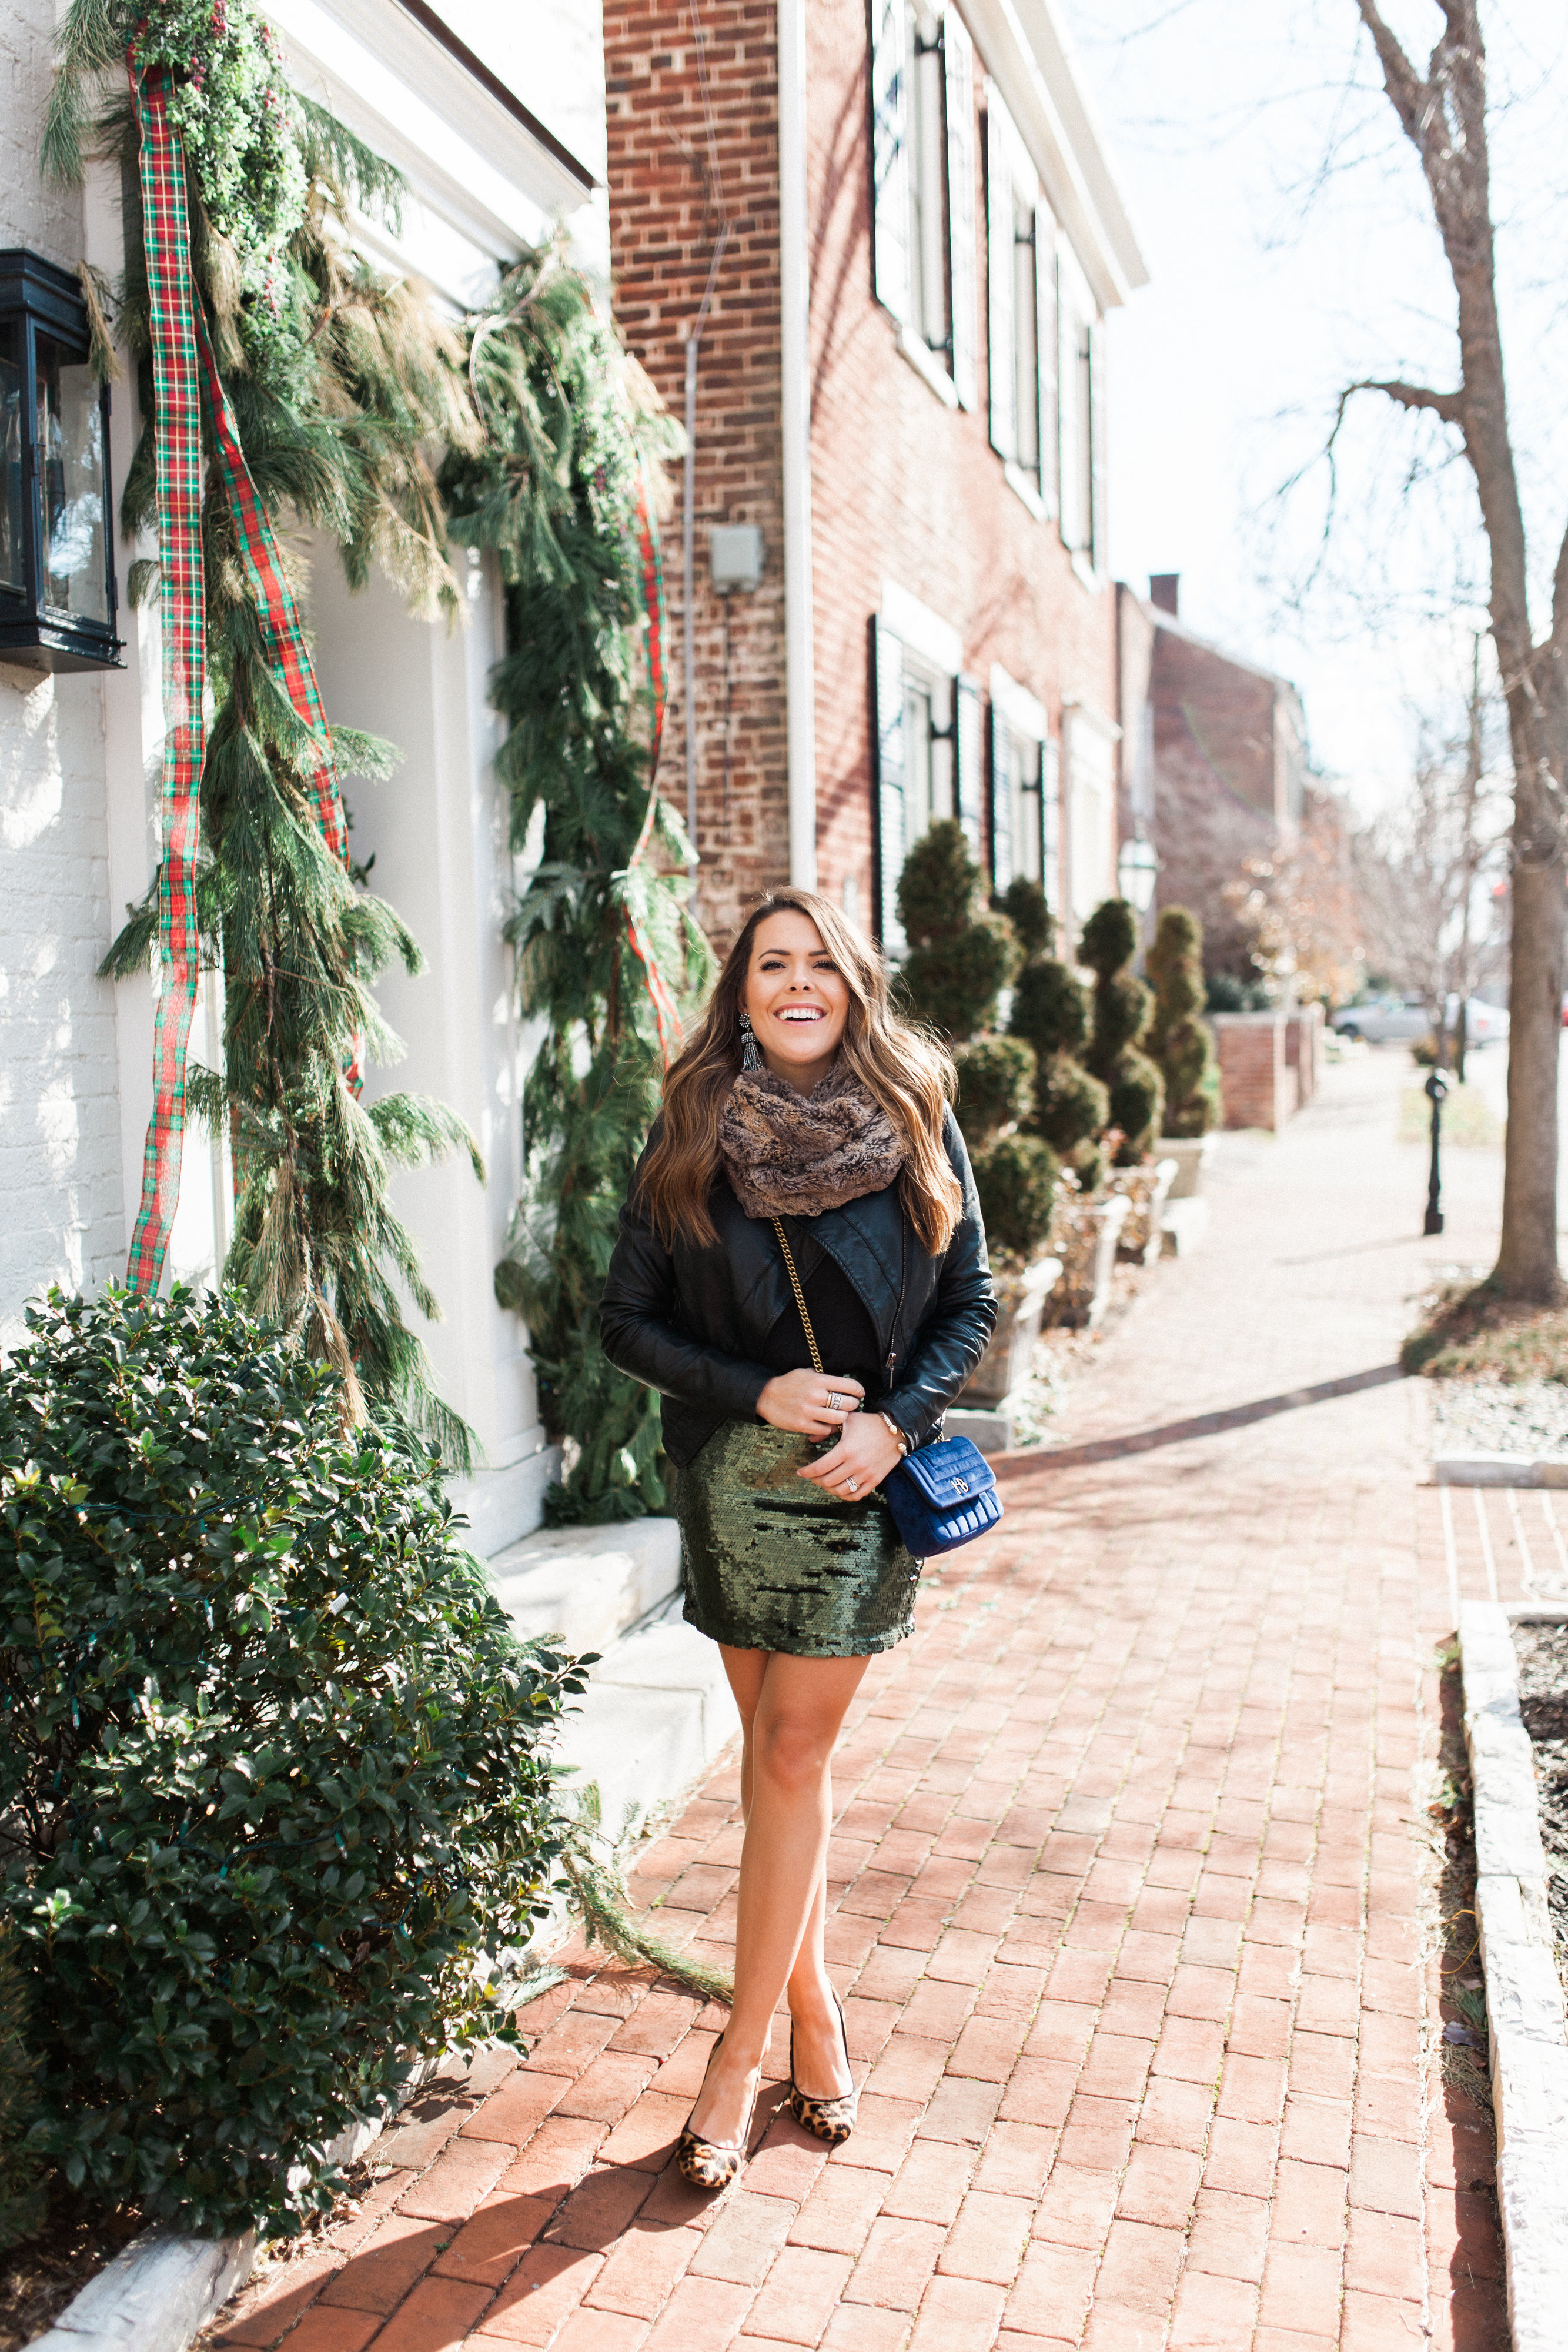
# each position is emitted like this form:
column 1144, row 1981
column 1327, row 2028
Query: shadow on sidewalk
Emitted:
column 1201, row 1424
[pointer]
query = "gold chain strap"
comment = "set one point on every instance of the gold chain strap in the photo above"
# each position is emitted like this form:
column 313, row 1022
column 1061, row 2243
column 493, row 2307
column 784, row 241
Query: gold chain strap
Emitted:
column 799, row 1298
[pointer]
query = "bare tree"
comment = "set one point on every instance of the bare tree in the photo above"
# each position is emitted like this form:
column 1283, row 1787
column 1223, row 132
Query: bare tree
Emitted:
column 1296, row 903
column 1443, row 113
column 1420, row 868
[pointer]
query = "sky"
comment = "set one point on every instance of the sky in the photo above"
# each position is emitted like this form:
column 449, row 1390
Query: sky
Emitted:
column 1284, row 221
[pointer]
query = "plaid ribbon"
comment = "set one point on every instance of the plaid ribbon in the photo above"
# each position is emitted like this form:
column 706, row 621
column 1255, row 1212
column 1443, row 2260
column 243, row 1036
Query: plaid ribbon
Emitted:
column 185, row 380
column 173, row 309
column 666, row 1013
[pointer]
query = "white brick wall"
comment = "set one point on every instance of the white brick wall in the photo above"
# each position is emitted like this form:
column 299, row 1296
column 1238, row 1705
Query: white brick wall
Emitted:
column 59, row 1119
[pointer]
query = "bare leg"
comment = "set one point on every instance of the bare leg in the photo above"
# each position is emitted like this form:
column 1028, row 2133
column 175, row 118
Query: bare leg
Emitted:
column 820, row 2052
column 791, row 1725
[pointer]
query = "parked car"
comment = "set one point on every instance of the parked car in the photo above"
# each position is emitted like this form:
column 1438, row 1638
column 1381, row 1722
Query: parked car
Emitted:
column 1384, row 1020
column 1485, row 1024
column 1389, row 1020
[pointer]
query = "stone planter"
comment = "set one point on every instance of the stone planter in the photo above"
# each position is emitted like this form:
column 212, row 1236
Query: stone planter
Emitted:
column 1192, row 1154
column 1085, row 1232
column 1009, row 1359
column 1145, row 1189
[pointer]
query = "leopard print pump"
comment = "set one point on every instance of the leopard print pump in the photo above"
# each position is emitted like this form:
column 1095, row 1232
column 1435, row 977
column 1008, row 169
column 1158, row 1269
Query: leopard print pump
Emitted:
column 706, row 2163
column 826, row 2119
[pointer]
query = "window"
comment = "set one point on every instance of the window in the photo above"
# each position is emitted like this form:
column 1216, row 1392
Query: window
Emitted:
column 929, row 758
column 1081, row 334
column 927, row 187
column 922, row 192
column 1021, row 310
column 1026, row 815
column 1090, row 812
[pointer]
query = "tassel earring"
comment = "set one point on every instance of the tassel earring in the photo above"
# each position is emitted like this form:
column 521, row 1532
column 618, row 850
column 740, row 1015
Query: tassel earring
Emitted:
column 750, row 1058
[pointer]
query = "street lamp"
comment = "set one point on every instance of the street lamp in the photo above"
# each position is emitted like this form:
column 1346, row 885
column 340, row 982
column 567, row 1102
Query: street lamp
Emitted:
column 1138, row 870
column 1437, row 1088
column 57, row 547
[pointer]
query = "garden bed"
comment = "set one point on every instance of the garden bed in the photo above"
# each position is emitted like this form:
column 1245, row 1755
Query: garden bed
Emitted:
column 1543, row 1704
column 1465, row 1331
column 38, row 2278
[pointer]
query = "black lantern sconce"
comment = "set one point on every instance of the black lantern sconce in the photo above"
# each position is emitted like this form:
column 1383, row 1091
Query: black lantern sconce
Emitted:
column 56, row 544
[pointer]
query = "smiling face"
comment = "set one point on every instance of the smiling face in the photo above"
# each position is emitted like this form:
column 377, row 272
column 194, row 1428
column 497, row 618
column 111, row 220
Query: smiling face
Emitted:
column 797, row 998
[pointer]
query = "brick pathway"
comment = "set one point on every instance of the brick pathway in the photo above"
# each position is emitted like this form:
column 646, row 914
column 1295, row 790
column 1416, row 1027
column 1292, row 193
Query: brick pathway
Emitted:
column 1132, row 1892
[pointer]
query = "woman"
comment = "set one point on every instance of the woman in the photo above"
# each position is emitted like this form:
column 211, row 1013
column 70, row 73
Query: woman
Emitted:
column 801, row 1098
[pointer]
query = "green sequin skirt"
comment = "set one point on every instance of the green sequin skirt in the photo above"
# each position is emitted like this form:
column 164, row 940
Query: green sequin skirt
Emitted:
column 769, row 1561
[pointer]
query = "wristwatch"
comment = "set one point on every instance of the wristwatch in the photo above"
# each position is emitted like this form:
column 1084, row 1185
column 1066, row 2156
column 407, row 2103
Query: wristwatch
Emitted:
column 900, row 1437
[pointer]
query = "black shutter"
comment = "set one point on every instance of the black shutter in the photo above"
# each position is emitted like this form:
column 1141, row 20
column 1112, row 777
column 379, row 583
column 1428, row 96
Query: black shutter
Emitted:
column 958, row 71
column 887, row 779
column 969, row 761
column 1045, row 343
column 1099, row 553
column 1001, row 802
column 890, row 96
column 1002, row 356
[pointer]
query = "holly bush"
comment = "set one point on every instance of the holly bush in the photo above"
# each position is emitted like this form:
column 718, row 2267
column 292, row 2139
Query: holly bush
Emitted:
column 273, row 1796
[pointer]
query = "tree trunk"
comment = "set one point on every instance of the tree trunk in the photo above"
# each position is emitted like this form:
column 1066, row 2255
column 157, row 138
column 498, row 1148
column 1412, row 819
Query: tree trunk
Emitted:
column 1444, row 115
column 1527, row 1259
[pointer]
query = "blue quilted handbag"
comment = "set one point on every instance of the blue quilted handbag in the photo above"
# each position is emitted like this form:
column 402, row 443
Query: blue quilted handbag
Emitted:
column 941, row 1496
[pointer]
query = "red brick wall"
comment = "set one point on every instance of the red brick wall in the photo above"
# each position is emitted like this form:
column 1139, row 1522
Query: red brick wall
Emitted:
column 902, row 488
column 1258, row 1080
column 664, row 221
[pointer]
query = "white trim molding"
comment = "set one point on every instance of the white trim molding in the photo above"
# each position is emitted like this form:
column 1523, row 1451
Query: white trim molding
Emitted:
column 1027, row 51
column 795, row 420
column 1025, row 715
column 924, row 632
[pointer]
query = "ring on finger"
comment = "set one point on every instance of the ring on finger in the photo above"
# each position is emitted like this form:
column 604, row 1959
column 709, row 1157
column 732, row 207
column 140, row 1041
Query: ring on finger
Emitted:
column 837, row 1403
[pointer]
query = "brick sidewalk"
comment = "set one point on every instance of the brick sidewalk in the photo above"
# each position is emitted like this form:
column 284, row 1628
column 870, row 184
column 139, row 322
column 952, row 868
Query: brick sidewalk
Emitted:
column 1131, row 1894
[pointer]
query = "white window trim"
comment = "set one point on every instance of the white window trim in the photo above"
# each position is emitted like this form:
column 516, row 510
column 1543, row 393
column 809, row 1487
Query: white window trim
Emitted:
column 927, row 366
column 1088, row 714
column 1018, row 482
column 932, row 677
column 1024, row 713
column 924, row 632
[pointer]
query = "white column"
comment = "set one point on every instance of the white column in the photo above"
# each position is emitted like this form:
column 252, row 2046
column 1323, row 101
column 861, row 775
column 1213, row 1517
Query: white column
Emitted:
column 438, row 832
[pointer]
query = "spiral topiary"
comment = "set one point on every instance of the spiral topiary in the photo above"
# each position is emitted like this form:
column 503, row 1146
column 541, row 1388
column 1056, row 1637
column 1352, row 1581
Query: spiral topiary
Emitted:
column 960, row 958
column 1015, row 1176
column 1178, row 1041
column 1122, row 1009
column 1050, row 1013
column 996, row 1086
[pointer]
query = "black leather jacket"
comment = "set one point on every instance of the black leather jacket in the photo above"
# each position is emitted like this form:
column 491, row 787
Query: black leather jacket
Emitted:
column 691, row 1322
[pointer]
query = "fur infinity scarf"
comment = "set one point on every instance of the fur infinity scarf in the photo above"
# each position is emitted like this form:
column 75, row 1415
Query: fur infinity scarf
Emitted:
column 792, row 1155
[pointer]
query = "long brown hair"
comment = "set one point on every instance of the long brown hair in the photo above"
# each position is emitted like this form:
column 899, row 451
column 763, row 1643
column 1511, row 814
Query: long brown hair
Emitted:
column 907, row 1071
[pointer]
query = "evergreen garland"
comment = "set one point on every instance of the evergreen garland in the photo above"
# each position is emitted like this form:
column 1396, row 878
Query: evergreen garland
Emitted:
column 573, row 433
column 339, row 378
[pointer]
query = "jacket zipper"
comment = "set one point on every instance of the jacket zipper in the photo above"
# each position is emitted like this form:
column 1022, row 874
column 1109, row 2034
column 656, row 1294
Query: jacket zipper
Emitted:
column 898, row 1310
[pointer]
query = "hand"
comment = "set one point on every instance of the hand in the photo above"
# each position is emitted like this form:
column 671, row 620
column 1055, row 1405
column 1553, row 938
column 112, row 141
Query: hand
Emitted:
column 861, row 1460
column 799, row 1401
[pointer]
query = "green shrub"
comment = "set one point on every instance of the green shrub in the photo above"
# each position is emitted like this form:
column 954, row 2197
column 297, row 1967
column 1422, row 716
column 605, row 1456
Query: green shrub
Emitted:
column 1182, row 1045
column 272, row 1760
column 1225, row 992
column 1015, row 1177
column 1050, row 1013
column 1034, row 925
column 960, row 958
column 996, row 1086
column 1122, row 1009
column 22, row 2195
column 1051, row 1008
